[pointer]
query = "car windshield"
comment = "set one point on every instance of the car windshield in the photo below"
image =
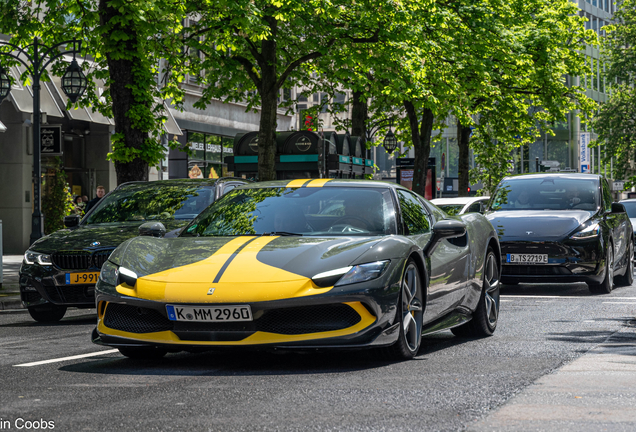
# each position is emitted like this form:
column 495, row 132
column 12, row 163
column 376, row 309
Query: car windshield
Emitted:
column 308, row 211
column 630, row 206
column 152, row 202
column 546, row 193
column 451, row 209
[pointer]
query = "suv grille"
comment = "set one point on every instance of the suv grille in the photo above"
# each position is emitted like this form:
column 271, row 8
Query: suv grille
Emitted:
column 80, row 260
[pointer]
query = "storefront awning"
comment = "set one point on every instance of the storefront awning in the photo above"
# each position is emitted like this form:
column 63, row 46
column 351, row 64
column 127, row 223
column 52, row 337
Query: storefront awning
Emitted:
column 22, row 96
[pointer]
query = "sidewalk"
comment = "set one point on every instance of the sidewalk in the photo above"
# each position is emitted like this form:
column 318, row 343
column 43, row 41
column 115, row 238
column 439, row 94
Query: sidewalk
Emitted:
column 596, row 392
column 10, row 290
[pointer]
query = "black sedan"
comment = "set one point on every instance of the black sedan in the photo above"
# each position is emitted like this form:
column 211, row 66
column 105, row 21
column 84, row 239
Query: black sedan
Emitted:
column 61, row 269
column 562, row 228
column 303, row 264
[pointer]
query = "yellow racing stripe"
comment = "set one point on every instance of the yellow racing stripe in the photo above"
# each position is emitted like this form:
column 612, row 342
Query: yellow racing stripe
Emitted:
column 297, row 183
column 318, row 182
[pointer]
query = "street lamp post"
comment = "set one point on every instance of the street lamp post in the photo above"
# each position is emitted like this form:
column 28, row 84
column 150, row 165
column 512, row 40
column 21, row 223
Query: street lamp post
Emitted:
column 73, row 84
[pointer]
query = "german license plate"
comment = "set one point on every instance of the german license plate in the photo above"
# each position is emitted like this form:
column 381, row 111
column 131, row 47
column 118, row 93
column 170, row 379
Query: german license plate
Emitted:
column 527, row 258
column 209, row 313
column 81, row 278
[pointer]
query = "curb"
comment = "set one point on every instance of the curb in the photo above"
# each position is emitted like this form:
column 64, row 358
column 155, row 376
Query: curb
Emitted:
column 7, row 303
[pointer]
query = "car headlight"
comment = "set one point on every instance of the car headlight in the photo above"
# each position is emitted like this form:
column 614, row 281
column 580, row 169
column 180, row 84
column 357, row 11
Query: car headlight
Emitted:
column 114, row 275
column 31, row 257
column 109, row 273
column 351, row 274
column 588, row 232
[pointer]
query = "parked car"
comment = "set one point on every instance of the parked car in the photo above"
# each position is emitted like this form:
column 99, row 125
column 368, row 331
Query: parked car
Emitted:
column 461, row 205
column 60, row 270
column 562, row 228
column 630, row 207
column 265, row 266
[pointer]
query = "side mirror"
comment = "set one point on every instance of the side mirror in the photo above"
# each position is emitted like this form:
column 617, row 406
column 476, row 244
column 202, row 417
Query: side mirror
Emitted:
column 152, row 229
column 444, row 229
column 71, row 221
column 618, row 208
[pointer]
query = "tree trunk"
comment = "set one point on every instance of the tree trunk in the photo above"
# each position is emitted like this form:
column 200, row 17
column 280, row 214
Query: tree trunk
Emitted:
column 359, row 115
column 421, row 135
column 269, row 104
column 122, row 77
column 463, row 166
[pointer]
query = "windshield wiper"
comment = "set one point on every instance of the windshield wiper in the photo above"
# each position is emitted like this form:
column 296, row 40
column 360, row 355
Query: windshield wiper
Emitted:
column 280, row 233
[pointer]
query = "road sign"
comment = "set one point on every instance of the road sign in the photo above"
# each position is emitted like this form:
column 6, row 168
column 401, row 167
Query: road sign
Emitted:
column 584, row 151
column 618, row 186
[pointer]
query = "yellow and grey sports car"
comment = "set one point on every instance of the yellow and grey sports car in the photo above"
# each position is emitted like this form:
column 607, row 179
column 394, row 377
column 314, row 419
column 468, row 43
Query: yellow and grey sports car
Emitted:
column 303, row 264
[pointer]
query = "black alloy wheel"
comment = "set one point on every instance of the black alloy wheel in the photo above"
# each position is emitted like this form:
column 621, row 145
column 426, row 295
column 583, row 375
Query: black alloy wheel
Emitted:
column 628, row 278
column 486, row 315
column 142, row 353
column 47, row 313
column 607, row 285
column 410, row 310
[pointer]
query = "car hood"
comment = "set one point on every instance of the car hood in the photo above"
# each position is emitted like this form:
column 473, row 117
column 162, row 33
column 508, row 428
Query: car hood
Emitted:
column 529, row 225
column 239, row 269
column 94, row 236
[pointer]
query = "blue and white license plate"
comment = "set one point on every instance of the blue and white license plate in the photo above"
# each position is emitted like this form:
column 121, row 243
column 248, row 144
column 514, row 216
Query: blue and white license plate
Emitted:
column 209, row 313
column 527, row 258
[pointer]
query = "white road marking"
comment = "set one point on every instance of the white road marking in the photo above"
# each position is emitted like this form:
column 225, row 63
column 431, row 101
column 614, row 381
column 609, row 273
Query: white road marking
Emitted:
column 37, row 363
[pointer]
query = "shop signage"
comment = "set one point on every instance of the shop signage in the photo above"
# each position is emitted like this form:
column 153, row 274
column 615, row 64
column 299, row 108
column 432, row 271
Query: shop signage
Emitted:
column 51, row 140
column 303, row 144
column 584, row 152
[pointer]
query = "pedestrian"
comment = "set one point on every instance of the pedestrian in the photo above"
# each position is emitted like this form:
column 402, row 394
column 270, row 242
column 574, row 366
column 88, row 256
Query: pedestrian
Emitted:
column 78, row 206
column 100, row 192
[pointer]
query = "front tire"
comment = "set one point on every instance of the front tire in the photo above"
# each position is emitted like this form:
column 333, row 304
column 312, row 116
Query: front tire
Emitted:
column 410, row 310
column 143, row 353
column 486, row 315
column 607, row 285
column 628, row 278
column 47, row 313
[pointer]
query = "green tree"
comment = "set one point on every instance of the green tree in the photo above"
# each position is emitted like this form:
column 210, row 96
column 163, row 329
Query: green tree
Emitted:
column 57, row 202
column 126, row 41
column 615, row 122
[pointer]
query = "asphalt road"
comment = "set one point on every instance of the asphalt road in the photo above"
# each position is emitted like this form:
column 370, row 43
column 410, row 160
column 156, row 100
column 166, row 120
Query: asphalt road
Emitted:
column 451, row 385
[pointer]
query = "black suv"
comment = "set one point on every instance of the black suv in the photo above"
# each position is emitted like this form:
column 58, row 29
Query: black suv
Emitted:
column 61, row 269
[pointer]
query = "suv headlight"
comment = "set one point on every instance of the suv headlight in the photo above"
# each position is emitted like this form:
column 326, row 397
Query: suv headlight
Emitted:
column 588, row 232
column 31, row 257
column 109, row 273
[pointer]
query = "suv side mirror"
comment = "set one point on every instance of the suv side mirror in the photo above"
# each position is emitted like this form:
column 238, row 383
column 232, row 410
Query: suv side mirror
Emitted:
column 71, row 221
column 152, row 229
column 618, row 208
column 444, row 229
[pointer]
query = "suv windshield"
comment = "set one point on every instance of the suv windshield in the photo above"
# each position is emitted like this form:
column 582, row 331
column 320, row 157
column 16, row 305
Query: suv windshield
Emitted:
column 546, row 193
column 152, row 202
column 298, row 211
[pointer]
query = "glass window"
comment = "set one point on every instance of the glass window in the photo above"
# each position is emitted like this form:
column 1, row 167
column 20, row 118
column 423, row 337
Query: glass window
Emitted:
column 607, row 197
column 451, row 209
column 332, row 211
column 546, row 193
column 414, row 214
column 474, row 208
column 630, row 206
column 149, row 203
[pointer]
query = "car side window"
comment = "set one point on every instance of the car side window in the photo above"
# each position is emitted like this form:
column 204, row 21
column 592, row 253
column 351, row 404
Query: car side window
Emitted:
column 474, row 208
column 414, row 213
column 227, row 188
column 607, row 197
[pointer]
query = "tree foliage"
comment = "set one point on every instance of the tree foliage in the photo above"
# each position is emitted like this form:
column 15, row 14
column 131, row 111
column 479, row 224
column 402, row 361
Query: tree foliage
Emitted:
column 615, row 123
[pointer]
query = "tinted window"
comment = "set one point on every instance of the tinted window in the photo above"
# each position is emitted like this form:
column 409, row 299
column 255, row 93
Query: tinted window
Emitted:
column 607, row 197
column 303, row 211
column 413, row 213
column 630, row 206
column 451, row 209
column 152, row 202
column 474, row 208
column 546, row 193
